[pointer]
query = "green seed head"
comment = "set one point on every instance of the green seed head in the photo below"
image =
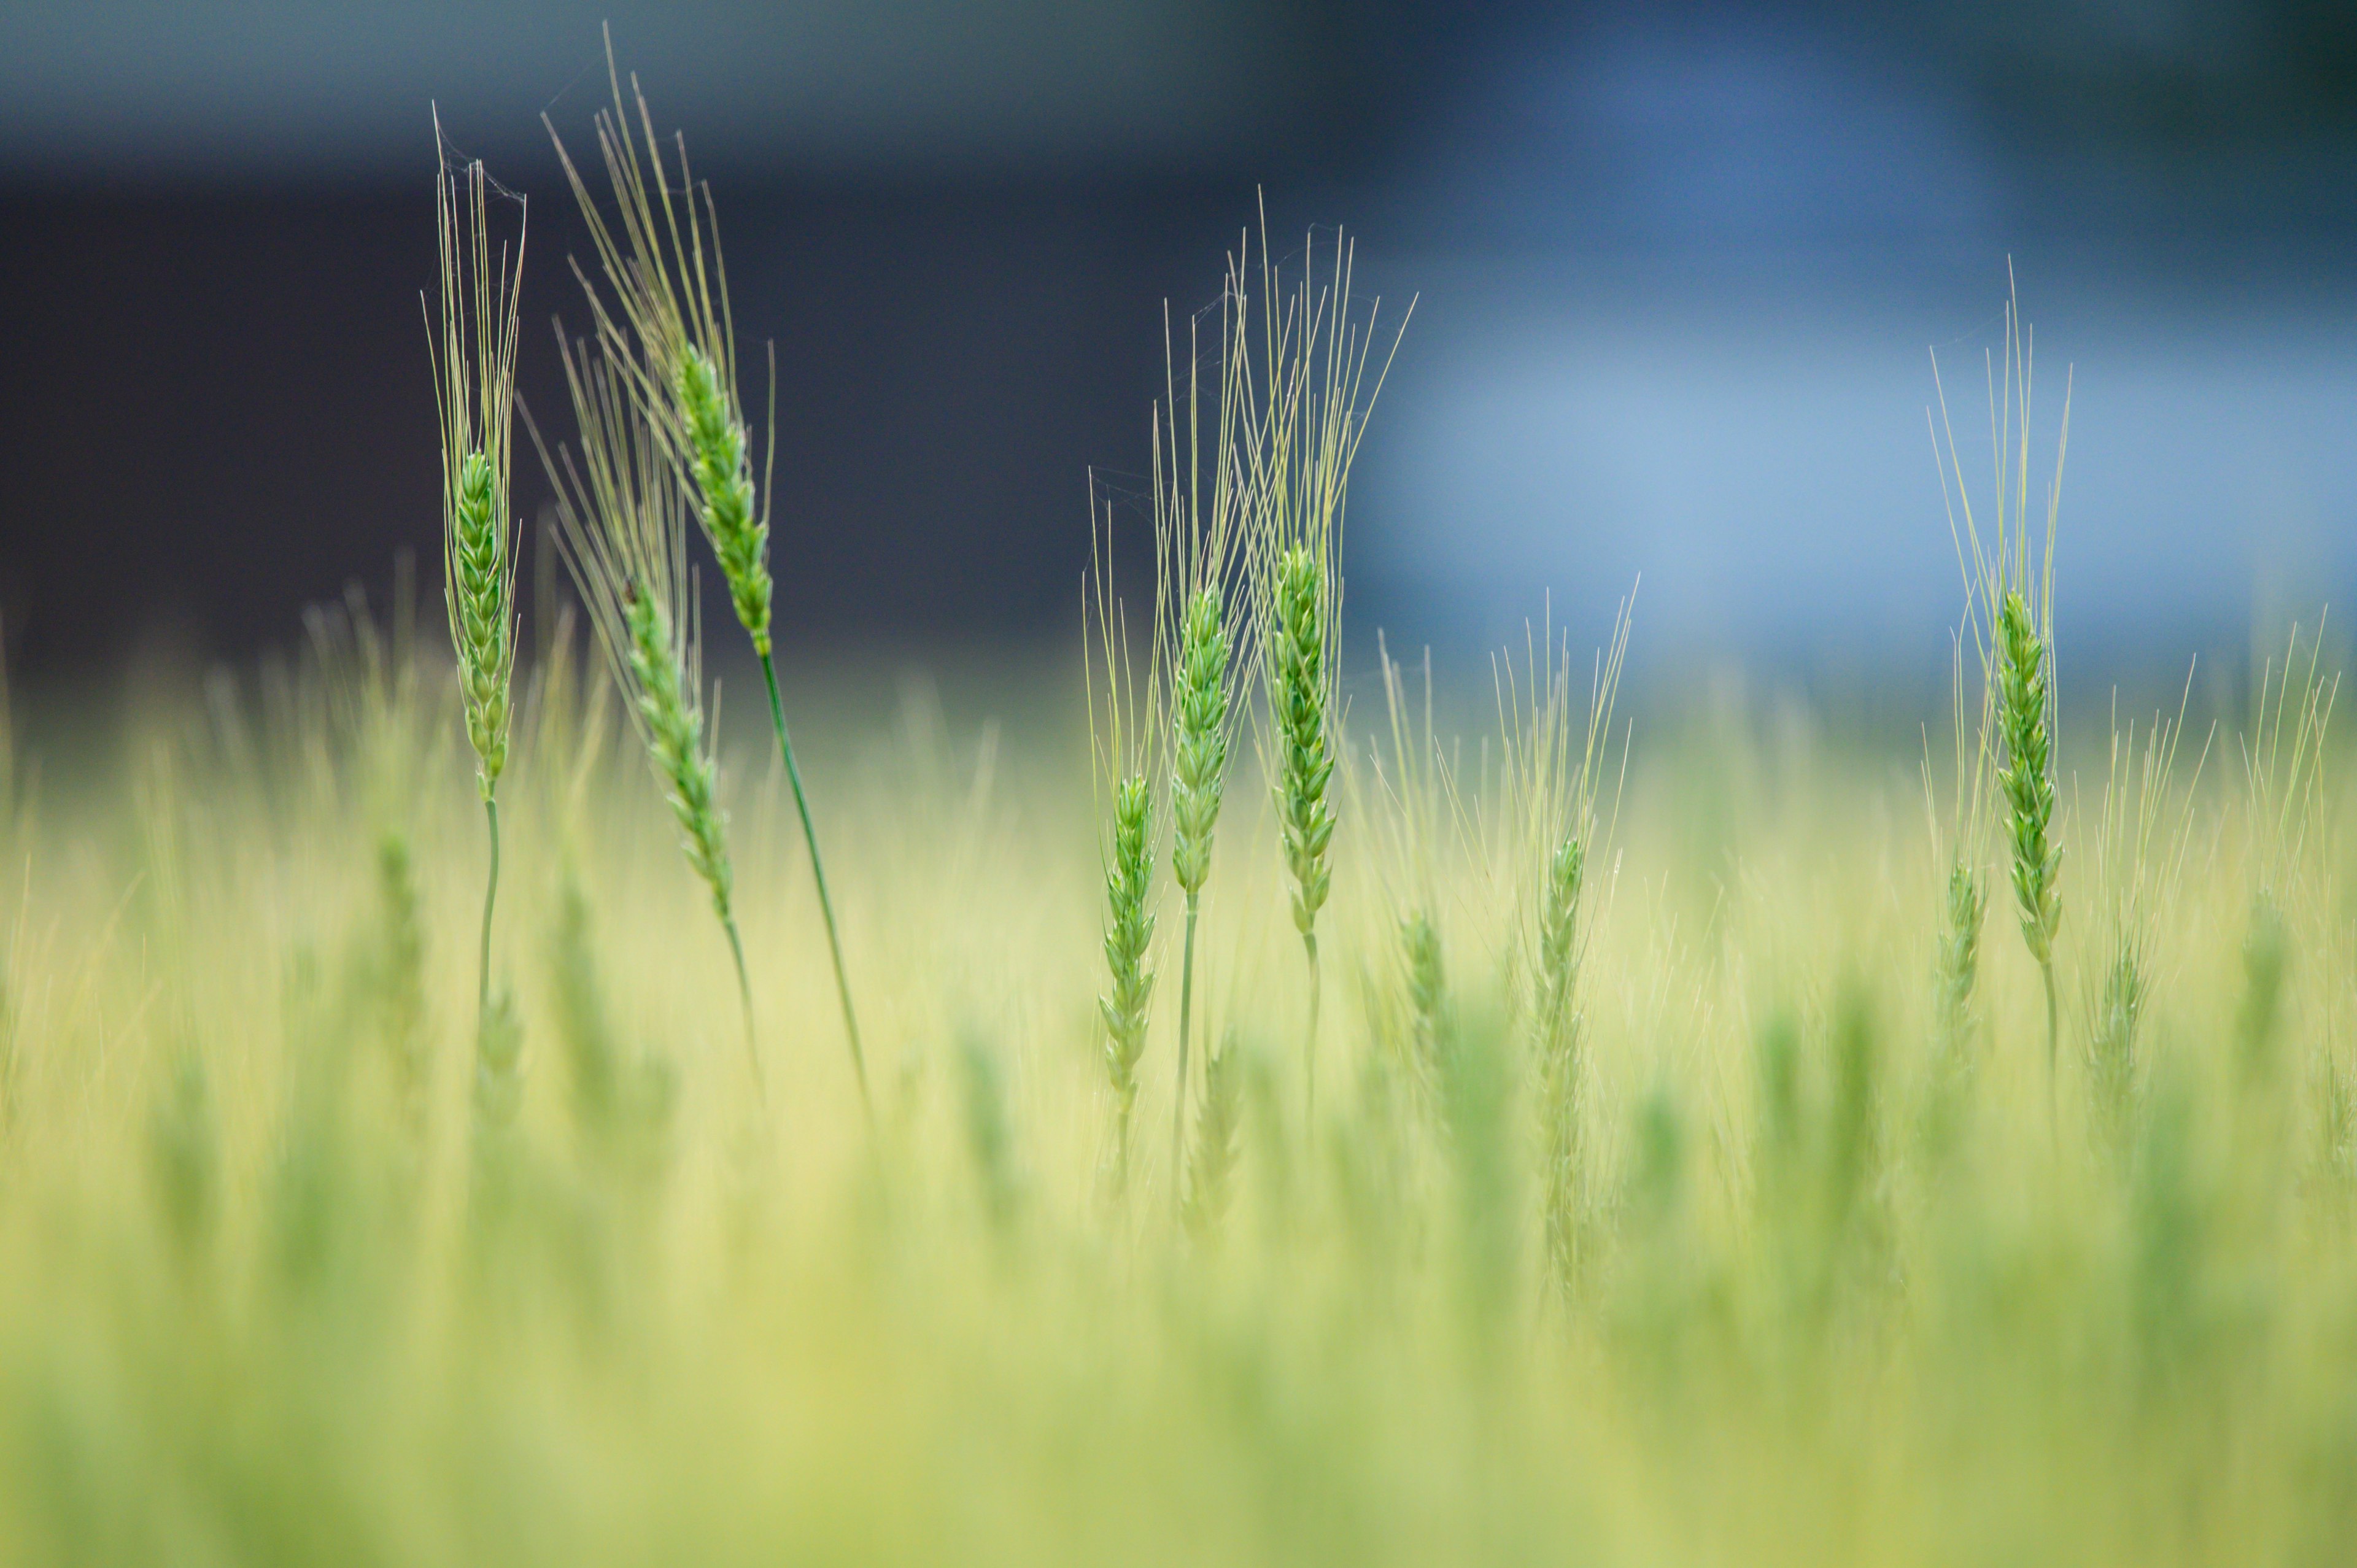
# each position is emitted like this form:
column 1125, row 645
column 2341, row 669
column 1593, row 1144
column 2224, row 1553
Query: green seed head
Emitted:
column 1298, row 694
column 724, row 488
column 1558, row 927
column 1129, row 932
column 482, row 612
column 1200, row 718
column 1427, row 988
column 1219, row 1125
column 2112, row 1051
column 2025, row 781
column 674, row 738
column 1960, row 947
column 473, row 374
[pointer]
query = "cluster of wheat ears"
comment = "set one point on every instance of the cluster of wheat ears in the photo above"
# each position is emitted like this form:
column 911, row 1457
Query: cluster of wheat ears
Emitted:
column 1576, row 1150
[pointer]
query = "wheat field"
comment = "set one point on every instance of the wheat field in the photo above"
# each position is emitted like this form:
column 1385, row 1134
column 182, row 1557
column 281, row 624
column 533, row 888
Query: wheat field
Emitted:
column 1228, row 1095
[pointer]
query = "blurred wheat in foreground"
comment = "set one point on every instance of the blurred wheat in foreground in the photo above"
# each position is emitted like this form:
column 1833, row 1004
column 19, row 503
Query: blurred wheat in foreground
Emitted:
column 1650, row 1164
column 255, row 1307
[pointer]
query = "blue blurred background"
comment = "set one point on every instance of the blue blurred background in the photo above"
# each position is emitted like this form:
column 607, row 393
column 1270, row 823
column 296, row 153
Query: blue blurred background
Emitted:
column 1682, row 268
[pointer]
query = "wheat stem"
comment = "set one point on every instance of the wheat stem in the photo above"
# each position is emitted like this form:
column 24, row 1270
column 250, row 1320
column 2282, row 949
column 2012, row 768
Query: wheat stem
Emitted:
column 818, row 877
column 490, row 893
column 1310, row 1041
column 1186, row 1024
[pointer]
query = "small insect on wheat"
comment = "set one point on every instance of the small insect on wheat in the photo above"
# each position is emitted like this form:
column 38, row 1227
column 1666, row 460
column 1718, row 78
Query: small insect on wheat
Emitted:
column 473, row 346
column 676, row 335
column 624, row 539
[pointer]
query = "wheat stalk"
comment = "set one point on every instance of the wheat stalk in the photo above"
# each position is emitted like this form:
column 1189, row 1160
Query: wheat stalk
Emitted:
column 2012, row 622
column 2139, row 856
column 1200, row 511
column 1311, row 407
column 671, row 325
column 2026, row 785
column 1554, row 771
column 624, row 539
column 1122, row 723
column 473, row 346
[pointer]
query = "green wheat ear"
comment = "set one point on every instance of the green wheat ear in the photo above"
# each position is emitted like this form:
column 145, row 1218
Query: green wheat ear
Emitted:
column 669, row 324
column 1959, row 961
column 1129, row 933
column 1218, row 1139
column 2026, row 778
column 1299, row 690
column 1314, row 401
column 1202, row 506
column 2026, row 785
column 723, row 482
column 1199, row 771
column 1300, row 698
column 674, row 739
column 473, row 346
column 623, row 537
column 1123, row 731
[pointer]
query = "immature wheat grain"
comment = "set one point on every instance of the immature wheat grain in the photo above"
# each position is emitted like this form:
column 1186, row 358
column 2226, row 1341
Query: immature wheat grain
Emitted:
column 1311, row 410
column 1218, row 1138
column 1410, row 809
column 2011, row 622
column 474, row 373
column 1124, row 726
column 1129, row 932
column 624, row 540
column 1199, row 510
column 398, row 973
column 1548, row 824
column 1299, row 693
column 1959, row 961
column 676, row 337
column 2136, row 877
column 2026, row 784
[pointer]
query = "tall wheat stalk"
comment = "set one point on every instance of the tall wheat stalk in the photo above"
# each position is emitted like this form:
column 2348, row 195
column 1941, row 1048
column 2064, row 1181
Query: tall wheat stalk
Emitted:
column 1554, row 764
column 473, row 346
column 2283, row 767
column 624, row 538
column 1200, row 513
column 1124, row 724
column 676, row 334
column 1413, row 807
column 2013, row 617
column 2141, row 840
column 1312, row 403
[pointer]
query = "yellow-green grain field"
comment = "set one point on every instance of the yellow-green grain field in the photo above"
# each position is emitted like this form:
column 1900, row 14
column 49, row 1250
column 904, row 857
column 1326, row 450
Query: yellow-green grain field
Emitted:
column 1614, row 1126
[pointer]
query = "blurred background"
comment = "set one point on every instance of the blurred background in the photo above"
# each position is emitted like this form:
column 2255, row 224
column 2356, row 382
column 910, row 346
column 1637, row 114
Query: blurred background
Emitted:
column 1681, row 269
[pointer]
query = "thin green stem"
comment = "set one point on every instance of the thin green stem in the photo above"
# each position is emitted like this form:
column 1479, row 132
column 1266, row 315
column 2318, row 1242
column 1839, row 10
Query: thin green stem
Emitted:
column 745, row 995
column 490, row 894
column 1310, row 1047
column 818, row 875
column 2053, row 1054
column 1186, row 1020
